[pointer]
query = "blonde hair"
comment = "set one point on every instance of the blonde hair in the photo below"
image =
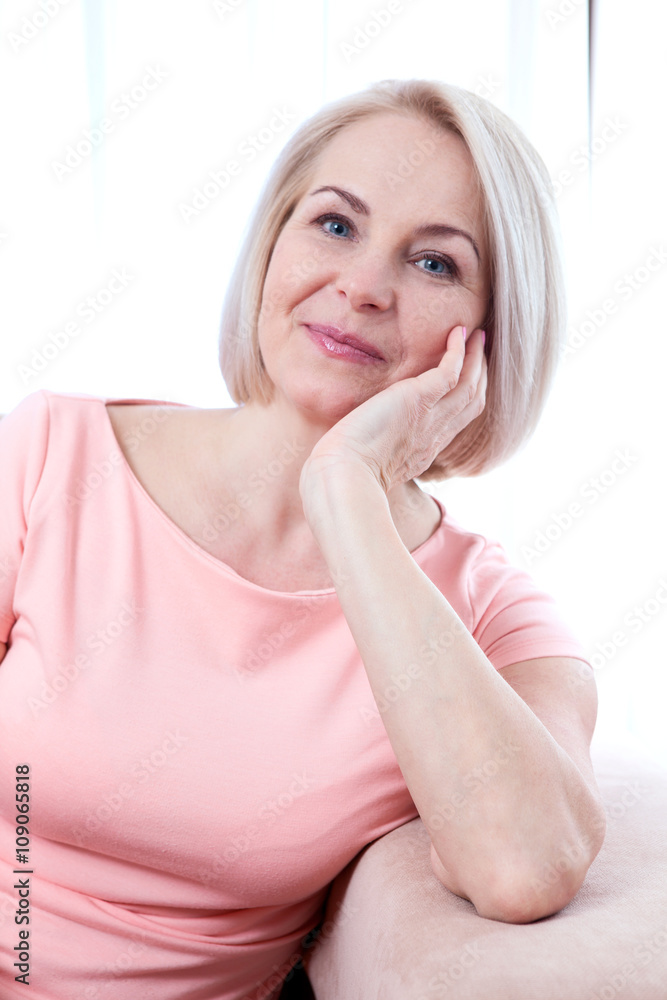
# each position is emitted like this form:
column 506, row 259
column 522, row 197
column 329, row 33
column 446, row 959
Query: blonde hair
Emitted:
column 526, row 319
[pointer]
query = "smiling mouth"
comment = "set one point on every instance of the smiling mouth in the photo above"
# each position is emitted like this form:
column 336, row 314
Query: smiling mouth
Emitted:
column 343, row 344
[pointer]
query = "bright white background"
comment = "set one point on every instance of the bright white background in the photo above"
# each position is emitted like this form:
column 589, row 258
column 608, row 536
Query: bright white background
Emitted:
column 220, row 72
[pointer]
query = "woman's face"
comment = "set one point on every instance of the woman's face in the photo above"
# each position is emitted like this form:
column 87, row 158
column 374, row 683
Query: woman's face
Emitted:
column 393, row 259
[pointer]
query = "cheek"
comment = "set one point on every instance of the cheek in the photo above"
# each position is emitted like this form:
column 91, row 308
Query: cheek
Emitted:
column 294, row 271
column 278, row 269
column 278, row 289
column 430, row 317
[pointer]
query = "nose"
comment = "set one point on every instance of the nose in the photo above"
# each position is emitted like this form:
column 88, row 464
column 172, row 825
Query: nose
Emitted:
column 367, row 281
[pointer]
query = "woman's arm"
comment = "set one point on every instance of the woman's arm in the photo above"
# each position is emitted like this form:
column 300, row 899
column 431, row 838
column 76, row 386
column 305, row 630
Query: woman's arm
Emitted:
column 519, row 843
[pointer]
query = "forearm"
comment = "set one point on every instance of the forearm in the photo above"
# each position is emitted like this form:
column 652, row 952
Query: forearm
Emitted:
column 501, row 799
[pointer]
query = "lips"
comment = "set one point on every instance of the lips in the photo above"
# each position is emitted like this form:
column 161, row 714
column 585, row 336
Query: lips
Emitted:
column 343, row 337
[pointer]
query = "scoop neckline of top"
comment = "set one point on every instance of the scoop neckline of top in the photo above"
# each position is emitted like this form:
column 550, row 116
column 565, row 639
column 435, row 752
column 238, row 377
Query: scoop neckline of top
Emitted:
column 184, row 539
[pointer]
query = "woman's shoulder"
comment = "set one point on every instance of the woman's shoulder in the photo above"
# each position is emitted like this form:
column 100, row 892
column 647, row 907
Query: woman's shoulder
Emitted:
column 166, row 444
column 150, row 426
column 477, row 562
column 135, row 421
column 55, row 405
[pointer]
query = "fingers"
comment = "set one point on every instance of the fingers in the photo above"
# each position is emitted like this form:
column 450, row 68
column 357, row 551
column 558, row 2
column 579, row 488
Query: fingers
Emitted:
column 471, row 386
column 474, row 363
column 474, row 389
column 478, row 401
column 469, row 366
column 456, row 378
column 460, row 419
column 439, row 381
column 456, row 339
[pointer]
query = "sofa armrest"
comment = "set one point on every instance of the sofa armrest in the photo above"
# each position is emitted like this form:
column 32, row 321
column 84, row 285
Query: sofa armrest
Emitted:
column 393, row 932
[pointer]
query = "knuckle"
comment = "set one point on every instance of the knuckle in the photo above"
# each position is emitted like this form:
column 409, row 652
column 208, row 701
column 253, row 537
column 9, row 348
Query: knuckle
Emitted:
column 469, row 391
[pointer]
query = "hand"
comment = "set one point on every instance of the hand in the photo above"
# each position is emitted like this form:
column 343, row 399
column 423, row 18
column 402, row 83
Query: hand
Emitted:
column 398, row 433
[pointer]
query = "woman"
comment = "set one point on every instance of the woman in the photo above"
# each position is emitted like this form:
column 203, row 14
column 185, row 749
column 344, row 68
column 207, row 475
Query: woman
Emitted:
column 243, row 643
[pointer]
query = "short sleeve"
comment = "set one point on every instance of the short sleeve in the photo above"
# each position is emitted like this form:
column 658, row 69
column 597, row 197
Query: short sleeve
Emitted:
column 24, row 436
column 513, row 619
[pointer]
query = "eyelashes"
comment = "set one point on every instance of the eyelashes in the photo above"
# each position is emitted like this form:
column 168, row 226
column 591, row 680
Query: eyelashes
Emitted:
column 333, row 217
column 450, row 268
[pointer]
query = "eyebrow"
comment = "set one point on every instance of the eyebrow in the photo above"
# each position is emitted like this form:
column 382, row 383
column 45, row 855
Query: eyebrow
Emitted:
column 434, row 229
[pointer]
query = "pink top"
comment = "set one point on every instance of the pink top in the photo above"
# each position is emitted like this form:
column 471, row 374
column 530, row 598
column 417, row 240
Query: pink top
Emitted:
column 205, row 754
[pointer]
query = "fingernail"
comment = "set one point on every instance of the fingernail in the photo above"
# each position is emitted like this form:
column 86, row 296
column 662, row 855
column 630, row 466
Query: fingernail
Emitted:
column 483, row 338
column 465, row 334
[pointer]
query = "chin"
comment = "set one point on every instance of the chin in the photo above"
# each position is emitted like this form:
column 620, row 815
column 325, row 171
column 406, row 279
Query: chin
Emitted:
column 324, row 389
column 322, row 400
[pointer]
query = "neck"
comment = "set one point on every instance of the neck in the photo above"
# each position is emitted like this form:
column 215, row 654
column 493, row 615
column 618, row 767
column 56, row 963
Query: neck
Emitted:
column 265, row 447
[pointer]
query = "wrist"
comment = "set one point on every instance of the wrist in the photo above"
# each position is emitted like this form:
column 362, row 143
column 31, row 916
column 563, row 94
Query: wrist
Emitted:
column 339, row 496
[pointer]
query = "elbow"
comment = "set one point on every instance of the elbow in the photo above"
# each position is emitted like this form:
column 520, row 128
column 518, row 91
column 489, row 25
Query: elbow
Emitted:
column 521, row 902
column 521, row 896
column 518, row 888
column 521, row 892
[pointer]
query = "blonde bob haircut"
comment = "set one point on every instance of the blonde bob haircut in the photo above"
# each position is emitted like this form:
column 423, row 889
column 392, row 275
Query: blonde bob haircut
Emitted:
column 526, row 314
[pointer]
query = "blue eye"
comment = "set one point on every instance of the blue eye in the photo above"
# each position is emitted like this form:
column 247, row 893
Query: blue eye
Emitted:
column 431, row 260
column 439, row 266
column 336, row 221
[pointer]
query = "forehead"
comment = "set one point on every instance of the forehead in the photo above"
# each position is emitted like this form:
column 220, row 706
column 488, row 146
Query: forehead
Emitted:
column 389, row 157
